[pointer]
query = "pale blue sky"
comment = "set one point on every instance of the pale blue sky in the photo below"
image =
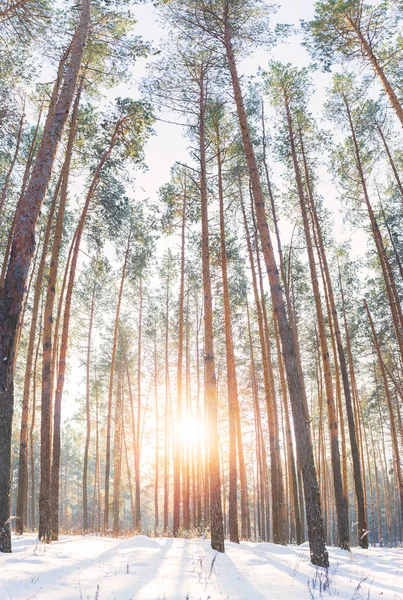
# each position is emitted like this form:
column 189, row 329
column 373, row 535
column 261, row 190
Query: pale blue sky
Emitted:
column 169, row 144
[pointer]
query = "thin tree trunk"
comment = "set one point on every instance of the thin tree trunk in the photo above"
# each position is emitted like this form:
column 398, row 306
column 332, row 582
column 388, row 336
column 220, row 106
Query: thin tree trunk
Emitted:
column 117, row 458
column 110, row 392
column 14, row 160
column 391, row 161
column 179, row 378
column 31, row 433
column 378, row 70
column 88, row 412
column 54, row 487
column 138, row 440
column 232, row 385
column 157, row 452
column 395, row 442
column 167, row 396
column 216, row 517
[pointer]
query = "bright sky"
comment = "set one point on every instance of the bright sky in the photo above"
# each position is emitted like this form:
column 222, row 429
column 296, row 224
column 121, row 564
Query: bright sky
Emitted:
column 169, row 144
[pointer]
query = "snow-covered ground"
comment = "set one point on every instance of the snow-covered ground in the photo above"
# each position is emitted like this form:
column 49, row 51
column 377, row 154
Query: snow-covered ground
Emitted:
column 140, row 568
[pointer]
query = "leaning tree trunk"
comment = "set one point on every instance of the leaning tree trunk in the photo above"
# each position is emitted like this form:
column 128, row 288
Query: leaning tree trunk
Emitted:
column 14, row 160
column 13, row 290
column 44, row 532
column 390, row 285
column 359, row 490
column 341, row 500
column 378, row 70
column 23, row 457
column 318, row 552
column 61, row 372
column 395, row 442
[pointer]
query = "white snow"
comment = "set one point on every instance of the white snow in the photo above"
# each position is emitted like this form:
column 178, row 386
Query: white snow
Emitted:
column 141, row 568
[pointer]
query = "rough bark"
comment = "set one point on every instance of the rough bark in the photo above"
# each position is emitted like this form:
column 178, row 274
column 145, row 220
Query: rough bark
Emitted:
column 13, row 290
column 318, row 551
column 341, row 501
column 358, row 483
column 44, row 532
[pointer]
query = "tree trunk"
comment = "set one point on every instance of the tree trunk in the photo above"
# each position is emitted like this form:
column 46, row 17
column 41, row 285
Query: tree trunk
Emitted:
column 23, row 457
column 13, row 290
column 117, row 457
column 14, row 160
column 378, row 70
column 391, row 161
column 54, row 486
column 45, row 532
column 319, row 555
column 395, row 442
column 110, row 392
column 362, row 517
column 157, row 452
column 88, row 413
column 216, row 517
column 232, row 385
column 138, row 440
column 179, row 379
column 167, row 397
column 341, row 500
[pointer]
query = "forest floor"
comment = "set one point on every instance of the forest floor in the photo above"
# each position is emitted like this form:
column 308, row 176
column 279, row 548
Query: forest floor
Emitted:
column 141, row 568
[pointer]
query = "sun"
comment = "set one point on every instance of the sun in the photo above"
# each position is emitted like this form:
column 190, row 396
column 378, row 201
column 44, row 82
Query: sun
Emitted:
column 191, row 431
